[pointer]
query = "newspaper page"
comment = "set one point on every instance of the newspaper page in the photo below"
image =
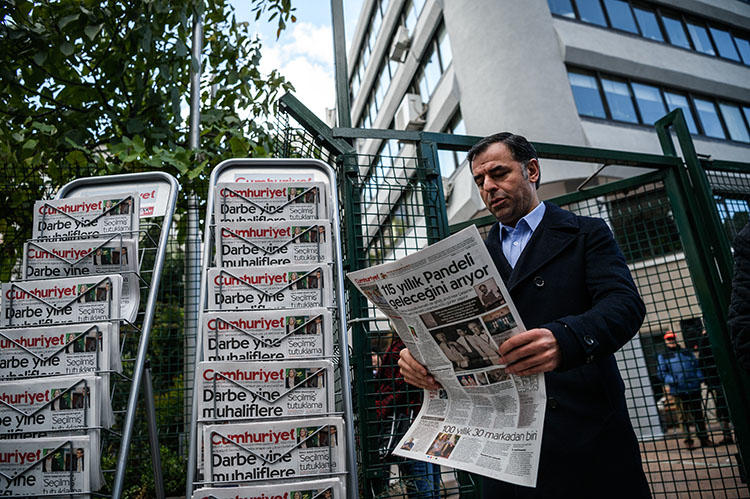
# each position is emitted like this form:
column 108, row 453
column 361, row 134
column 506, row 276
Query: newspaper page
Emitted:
column 45, row 260
column 267, row 335
column 331, row 488
column 272, row 243
column 84, row 218
column 48, row 466
column 450, row 307
column 269, row 201
column 62, row 301
column 262, row 288
column 254, row 390
column 249, row 452
column 56, row 350
column 30, row 407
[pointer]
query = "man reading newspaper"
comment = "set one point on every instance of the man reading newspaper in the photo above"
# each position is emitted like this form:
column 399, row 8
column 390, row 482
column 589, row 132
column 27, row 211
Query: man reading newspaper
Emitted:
column 575, row 295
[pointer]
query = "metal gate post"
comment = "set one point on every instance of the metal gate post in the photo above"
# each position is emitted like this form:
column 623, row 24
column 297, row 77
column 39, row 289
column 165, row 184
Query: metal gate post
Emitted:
column 707, row 251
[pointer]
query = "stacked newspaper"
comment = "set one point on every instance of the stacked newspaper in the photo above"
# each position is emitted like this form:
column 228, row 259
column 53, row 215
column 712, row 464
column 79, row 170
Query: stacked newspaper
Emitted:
column 270, row 201
column 86, row 218
column 331, row 488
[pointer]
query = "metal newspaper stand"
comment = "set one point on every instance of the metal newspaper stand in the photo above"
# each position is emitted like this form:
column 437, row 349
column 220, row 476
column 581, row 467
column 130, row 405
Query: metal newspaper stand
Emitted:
column 246, row 170
column 162, row 190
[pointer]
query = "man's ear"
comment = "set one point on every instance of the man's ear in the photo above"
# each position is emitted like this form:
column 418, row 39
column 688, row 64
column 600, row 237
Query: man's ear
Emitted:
column 533, row 168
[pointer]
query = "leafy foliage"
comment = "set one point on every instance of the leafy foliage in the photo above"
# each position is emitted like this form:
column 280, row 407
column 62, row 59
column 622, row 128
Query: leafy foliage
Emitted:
column 96, row 86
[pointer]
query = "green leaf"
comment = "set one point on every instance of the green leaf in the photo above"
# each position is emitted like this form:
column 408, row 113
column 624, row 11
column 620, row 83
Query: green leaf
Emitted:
column 44, row 128
column 92, row 30
column 134, row 125
column 67, row 49
column 76, row 158
column 64, row 21
column 40, row 57
column 30, row 144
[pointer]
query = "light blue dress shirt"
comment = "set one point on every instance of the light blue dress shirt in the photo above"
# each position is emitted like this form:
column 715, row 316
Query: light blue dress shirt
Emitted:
column 515, row 240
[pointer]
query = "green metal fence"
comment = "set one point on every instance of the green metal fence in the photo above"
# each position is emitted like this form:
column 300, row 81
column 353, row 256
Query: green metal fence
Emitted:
column 674, row 225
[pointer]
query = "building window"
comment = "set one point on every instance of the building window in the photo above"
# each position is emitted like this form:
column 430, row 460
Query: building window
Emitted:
column 704, row 37
column 451, row 160
column 637, row 102
column 436, row 60
column 586, row 94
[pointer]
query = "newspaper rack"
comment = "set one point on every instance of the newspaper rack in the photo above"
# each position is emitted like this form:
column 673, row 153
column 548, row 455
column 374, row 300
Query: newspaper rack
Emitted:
column 240, row 171
column 162, row 189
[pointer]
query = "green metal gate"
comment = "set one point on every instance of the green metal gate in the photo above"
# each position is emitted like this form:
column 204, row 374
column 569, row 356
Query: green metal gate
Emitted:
column 674, row 226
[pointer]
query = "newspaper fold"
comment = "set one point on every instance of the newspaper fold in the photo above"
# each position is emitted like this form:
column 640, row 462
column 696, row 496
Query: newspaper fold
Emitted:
column 267, row 335
column 331, row 488
column 268, row 201
column 62, row 301
column 85, row 218
column 450, row 307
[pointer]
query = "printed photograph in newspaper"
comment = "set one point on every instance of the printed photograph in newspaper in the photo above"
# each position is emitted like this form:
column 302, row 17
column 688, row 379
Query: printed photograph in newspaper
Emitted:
column 62, row 301
column 270, row 201
column 84, row 218
column 267, row 335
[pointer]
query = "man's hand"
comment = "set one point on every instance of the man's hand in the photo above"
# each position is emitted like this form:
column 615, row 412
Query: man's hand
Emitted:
column 531, row 352
column 415, row 373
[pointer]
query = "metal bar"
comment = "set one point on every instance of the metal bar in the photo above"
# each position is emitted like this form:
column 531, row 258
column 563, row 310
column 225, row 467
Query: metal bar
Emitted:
column 728, row 166
column 319, row 130
column 376, row 133
column 148, row 318
column 153, row 435
column 343, row 107
column 436, row 207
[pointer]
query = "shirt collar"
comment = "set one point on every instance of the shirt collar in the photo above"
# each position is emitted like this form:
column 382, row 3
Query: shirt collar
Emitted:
column 532, row 219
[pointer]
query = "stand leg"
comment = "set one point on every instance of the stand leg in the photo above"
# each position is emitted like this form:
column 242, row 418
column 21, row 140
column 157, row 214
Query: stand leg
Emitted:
column 153, row 437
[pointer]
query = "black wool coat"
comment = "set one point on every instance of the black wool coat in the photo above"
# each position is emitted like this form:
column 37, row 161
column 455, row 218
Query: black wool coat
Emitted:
column 573, row 280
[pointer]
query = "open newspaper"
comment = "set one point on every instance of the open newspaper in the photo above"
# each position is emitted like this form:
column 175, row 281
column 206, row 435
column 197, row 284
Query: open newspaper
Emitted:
column 450, row 307
column 50, row 466
column 268, row 201
column 84, row 218
column 258, row 452
column 114, row 255
column 331, row 488
column 62, row 301
column 267, row 335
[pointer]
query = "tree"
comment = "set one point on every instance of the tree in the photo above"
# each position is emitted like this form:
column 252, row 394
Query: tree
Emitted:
column 96, row 86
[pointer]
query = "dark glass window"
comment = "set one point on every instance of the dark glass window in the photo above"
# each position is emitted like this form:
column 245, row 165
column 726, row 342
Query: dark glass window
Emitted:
column 675, row 32
column 675, row 101
column 619, row 100
column 648, row 24
column 649, row 102
column 735, row 124
column 591, row 12
column 746, row 111
column 709, row 118
column 586, row 94
column 744, row 47
column 724, row 44
column 561, row 8
column 450, row 160
column 699, row 35
column 620, row 15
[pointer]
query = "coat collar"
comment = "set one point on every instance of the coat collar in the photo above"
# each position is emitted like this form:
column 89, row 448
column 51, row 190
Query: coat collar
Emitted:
column 556, row 231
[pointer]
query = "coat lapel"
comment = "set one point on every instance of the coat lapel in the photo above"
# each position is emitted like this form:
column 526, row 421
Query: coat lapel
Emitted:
column 496, row 252
column 557, row 230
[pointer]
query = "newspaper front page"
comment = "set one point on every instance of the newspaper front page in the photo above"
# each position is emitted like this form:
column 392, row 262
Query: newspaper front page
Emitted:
column 56, row 350
column 254, row 390
column 270, row 201
column 84, row 218
column 267, row 335
column 272, row 243
column 450, row 307
column 48, row 260
column 48, row 466
column 332, row 488
column 262, row 288
column 62, row 301
column 30, row 407
column 258, row 452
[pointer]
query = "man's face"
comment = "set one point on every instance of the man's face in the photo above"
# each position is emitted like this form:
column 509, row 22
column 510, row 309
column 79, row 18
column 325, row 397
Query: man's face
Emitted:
column 461, row 332
column 506, row 187
column 482, row 288
column 474, row 328
column 671, row 343
column 440, row 337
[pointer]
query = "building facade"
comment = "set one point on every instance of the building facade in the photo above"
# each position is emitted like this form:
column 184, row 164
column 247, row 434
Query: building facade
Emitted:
column 593, row 73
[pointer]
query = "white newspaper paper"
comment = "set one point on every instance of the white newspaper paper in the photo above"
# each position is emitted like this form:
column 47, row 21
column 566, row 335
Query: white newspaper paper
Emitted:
column 54, row 465
column 62, row 301
column 45, row 260
column 450, row 307
column 293, row 448
column 267, row 335
column 272, row 243
column 84, row 218
column 254, row 390
column 269, row 201
column 263, row 288
column 331, row 488
column 61, row 403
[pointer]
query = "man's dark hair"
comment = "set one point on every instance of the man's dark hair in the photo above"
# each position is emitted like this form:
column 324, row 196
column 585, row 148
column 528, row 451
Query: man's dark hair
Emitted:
column 520, row 149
